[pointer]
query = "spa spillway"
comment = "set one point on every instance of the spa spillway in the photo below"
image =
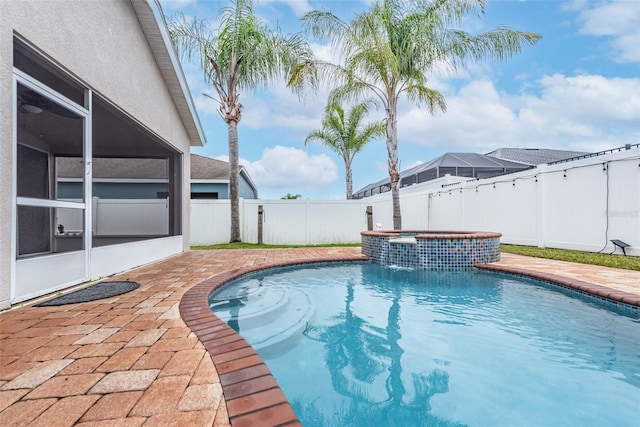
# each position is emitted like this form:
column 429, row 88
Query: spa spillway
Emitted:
column 431, row 250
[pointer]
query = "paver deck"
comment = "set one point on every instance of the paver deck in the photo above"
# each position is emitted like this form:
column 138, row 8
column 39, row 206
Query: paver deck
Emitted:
column 131, row 360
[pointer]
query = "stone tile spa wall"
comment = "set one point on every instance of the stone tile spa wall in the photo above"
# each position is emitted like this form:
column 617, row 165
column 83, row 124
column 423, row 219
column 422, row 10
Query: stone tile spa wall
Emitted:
column 431, row 250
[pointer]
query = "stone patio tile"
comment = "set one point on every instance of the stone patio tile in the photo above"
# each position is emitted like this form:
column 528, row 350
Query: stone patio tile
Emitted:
column 119, row 422
column 82, row 318
column 12, row 370
column 64, row 385
column 183, row 363
column 142, row 325
column 112, row 406
column 122, row 360
column 172, row 313
column 65, row 412
column 97, row 336
column 5, row 360
column 161, row 397
column 63, row 340
column 24, row 412
column 148, row 302
column 222, row 416
column 146, row 338
column 201, row 397
column 153, row 360
column 120, row 321
column 206, row 372
column 116, row 382
column 9, row 397
column 37, row 375
column 178, row 332
column 20, row 346
column 176, row 344
column 173, row 323
column 122, row 336
column 50, row 353
column 36, row 332
column 17, row 326
column 181, row 419
column 77, row 329
column 86, row 365
column 93, row 350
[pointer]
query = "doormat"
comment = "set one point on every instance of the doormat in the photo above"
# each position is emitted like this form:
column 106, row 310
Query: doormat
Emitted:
column 91, row 293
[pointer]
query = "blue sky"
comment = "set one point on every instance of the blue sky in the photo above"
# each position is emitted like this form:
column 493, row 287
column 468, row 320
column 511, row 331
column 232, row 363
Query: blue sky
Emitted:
column 577, row 89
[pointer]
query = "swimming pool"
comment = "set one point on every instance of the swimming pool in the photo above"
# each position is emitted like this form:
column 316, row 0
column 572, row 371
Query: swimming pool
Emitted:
column 361, row 344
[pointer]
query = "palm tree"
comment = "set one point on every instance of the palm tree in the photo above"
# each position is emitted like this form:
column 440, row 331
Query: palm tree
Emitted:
column 242, row 55
column 290, row 196
column 346, row 135
column 390, row 49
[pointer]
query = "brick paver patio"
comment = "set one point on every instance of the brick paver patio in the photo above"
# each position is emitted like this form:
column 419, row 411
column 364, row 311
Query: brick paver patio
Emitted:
column 131, row 360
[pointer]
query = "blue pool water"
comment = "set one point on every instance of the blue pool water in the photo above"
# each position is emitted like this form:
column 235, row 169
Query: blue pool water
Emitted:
column 367, row 345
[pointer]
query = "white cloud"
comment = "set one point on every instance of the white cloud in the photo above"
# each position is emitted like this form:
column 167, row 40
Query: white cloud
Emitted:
column 290, row 168
column 618, row 20
column 177, row 4
column 587, row 113
column 299, row 7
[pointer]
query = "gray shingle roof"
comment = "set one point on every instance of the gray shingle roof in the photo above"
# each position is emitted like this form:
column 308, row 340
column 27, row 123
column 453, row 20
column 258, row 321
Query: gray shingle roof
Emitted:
column 534, row 156
column 126, row 168
column 460, row 164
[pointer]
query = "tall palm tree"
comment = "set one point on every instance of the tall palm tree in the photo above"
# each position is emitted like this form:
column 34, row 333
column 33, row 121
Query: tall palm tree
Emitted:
column 346, row 135
column 390, row 49
column 242, row 54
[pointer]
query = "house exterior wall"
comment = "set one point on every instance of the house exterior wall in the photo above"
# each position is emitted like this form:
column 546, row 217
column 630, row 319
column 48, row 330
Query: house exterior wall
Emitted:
column 102, row 45
column 221, row 188
column 245, row 190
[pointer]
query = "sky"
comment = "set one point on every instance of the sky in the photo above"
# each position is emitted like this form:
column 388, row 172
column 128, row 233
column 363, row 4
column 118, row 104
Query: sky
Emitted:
column 577, row 89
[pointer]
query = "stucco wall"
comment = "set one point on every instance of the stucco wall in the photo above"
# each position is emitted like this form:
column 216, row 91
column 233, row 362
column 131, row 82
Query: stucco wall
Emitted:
column 6, row 159
column 102, row 44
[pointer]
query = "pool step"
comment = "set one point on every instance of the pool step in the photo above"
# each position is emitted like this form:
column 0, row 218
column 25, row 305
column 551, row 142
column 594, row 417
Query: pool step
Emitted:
column 264, row 316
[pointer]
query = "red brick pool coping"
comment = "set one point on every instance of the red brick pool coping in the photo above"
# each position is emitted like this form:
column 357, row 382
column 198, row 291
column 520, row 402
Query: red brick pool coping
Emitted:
column 252, row 394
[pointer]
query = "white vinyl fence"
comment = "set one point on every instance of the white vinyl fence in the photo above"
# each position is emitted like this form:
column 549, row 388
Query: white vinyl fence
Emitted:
column 573, row 205
column 120, row 217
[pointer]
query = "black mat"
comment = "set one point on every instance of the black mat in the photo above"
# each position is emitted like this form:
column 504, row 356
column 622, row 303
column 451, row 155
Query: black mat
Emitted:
column 91, row 293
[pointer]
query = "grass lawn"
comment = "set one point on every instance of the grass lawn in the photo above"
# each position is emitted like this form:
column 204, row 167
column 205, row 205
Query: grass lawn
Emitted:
column 606, row 260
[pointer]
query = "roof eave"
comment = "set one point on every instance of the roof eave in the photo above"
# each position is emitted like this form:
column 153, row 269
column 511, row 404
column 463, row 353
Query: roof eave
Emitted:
column 244, row 172
column 152, row 22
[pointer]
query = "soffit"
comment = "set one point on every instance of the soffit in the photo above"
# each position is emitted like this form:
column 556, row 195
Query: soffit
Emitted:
column 152, row 22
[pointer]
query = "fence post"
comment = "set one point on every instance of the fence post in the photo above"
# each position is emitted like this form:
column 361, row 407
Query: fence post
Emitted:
column 369, row 214
column 260, row 212
column 541, row 213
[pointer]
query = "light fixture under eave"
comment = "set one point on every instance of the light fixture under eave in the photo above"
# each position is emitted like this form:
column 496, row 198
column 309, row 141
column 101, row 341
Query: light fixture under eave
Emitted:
column 31, row 109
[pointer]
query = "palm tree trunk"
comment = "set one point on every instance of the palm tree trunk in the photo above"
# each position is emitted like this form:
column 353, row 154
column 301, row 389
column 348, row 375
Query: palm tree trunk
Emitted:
column 392, row 151
column 234, row 172
column 349, row 178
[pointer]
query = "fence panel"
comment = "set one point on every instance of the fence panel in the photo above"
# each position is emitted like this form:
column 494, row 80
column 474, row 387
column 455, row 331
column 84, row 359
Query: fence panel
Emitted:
column 210, row 222
column 598, row 200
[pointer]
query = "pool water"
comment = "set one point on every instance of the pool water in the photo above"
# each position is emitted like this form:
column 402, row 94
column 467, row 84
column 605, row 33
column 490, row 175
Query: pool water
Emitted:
column 366, row 345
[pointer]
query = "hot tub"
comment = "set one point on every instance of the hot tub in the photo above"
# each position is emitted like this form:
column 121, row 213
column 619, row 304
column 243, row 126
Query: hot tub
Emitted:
column 431, row 249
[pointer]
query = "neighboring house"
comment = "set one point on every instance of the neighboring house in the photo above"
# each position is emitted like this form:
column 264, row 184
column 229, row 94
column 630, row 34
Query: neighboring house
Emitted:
column 534, row 156
column 468, row 165
column 147, row 179
column 88, row 82
column 210, row 179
